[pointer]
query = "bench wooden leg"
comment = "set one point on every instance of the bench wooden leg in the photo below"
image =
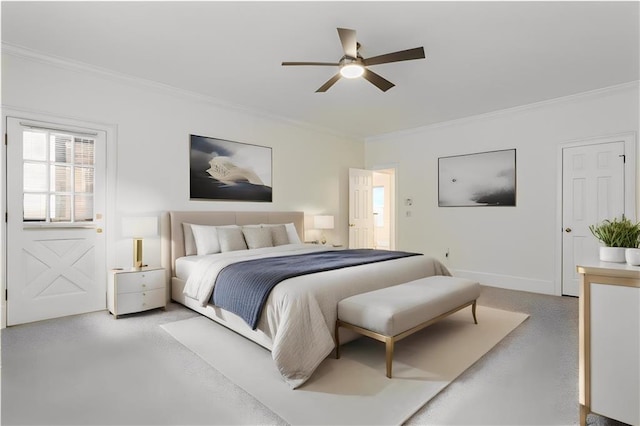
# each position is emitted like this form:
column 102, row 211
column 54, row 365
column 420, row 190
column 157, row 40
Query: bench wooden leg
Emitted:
column 473, row 311
column 389, row 346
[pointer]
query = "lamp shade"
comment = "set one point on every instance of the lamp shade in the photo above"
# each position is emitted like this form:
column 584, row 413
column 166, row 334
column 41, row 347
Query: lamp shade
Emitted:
column 139, row 227
column 323, row 222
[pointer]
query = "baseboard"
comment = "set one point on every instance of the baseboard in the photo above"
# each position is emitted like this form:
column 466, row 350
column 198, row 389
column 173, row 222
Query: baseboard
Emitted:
column 507, row 281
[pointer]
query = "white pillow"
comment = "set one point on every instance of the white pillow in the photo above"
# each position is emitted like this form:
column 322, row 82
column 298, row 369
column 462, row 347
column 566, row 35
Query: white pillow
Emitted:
column 294, row 238
column 206, row 239
column 279, row 235
column 231, row 239
column 257, row 237
column 189, row 242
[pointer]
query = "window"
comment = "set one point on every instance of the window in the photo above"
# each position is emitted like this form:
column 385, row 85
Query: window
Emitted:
column 58, row 177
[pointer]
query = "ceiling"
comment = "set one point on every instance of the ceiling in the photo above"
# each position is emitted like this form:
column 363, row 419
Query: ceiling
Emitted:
column 481, row 56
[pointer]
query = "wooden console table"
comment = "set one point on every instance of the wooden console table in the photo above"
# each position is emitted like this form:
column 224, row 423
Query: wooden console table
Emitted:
column 609, row 362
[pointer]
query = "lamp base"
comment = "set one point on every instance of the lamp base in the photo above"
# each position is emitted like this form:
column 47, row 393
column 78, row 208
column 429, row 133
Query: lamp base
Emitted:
column 137, row 253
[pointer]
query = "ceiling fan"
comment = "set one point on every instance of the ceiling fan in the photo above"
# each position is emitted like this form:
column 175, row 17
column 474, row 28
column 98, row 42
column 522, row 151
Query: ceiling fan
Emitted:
column 353, row 65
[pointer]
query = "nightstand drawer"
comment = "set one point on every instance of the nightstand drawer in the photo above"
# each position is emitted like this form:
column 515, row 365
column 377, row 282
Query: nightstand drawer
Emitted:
column 141, row 301
column 141, row 281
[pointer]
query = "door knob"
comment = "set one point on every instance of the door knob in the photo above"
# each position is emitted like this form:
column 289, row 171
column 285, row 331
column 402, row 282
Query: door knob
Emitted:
column 351, row 225
column 567, row 230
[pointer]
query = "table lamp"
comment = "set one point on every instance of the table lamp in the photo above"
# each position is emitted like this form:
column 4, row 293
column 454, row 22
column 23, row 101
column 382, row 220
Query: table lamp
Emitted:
column 138, row 228
column 323, row 222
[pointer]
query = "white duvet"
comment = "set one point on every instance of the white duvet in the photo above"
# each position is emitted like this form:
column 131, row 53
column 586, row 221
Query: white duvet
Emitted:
column 300, row 313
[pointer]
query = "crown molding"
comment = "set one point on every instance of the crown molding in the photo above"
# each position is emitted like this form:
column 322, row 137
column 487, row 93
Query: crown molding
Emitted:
column 527, row 107
column 76, row 66
column 33, row 55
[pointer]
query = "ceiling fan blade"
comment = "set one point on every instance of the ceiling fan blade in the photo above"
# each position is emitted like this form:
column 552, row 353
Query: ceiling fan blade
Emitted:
column 333, row 64
column 380, row 82
column 403, row 55
column 329, row 83
column 349, row 42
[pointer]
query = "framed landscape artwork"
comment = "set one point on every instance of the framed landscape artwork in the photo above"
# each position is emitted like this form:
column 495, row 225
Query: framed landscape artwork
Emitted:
column 482, row 179
column 227, row 170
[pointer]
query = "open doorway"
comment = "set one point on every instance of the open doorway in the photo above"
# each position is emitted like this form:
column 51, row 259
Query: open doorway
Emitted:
column 383, row 197
column 372, row 208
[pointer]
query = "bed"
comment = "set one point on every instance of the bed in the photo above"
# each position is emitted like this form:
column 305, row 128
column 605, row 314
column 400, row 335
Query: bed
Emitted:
column 298, row 319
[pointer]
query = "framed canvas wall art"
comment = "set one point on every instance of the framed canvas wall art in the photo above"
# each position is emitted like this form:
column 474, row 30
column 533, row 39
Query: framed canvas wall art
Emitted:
column 480, row 179
column 225, row 170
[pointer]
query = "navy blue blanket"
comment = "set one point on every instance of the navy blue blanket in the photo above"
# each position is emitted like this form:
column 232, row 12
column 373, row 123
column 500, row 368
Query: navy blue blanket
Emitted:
column 243, row 287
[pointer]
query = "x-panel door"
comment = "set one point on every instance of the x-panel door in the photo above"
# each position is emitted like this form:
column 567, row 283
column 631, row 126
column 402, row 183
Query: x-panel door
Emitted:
column 55, row 202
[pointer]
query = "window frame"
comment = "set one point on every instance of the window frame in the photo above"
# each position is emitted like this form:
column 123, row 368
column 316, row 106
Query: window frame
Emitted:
column 50, row 192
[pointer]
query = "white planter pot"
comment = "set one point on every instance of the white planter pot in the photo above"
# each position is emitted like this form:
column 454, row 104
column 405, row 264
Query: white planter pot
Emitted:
column 612, row 254
column 632, row 256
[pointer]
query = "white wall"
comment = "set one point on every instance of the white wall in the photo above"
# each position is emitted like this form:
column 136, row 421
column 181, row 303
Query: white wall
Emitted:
column 510, row 247
column 310, row 166
column 504, row 246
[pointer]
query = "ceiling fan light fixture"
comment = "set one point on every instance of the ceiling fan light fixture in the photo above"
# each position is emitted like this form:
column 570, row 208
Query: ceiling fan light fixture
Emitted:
column 353, row 70
column 353, row 65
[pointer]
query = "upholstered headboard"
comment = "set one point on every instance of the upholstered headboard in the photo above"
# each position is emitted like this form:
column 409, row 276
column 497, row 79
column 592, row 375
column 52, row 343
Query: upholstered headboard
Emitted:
column 172, row 235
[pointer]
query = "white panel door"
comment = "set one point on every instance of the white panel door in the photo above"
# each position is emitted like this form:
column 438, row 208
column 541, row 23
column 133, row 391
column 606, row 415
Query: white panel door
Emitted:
column 592, row 190
column 56, row 262
column 360, row 208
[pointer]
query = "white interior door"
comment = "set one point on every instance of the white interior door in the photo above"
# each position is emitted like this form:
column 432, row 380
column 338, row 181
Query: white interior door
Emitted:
column 56, row 262
column 360, row 208
column 593, row 190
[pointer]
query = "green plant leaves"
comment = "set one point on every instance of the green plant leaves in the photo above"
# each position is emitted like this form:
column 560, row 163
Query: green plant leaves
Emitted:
column 617, row 233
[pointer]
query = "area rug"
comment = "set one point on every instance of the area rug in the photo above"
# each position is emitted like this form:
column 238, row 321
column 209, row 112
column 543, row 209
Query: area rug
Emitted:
column 353, row 389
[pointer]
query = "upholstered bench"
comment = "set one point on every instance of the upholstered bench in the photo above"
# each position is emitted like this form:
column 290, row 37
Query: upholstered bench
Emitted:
column 393, row 313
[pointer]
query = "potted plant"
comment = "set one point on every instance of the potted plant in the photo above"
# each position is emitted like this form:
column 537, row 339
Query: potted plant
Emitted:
column 632, row 253
column 632, row 256
column 617, row 236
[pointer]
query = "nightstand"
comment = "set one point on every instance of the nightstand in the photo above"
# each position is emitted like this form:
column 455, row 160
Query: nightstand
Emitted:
column 136, row 290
